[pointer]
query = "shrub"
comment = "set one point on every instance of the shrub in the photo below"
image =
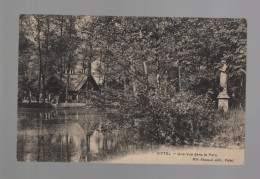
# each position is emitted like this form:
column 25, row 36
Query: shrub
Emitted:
column 187, row 118
column 190, row 119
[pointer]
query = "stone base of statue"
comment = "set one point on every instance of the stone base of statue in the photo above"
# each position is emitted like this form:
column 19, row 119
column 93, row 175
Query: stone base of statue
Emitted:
column 223, row 101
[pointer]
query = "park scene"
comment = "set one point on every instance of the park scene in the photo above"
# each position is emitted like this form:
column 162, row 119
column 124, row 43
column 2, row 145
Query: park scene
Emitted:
column 103, row 88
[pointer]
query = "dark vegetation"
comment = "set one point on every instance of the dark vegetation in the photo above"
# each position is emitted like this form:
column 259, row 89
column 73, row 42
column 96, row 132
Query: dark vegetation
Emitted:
column 159, row 75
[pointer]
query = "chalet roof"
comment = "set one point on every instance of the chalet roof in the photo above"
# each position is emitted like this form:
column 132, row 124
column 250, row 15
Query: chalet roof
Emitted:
column 76, row 80
column 57, row 76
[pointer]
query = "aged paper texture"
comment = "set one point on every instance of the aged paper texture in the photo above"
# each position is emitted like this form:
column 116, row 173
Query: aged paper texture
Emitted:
column 150, row 90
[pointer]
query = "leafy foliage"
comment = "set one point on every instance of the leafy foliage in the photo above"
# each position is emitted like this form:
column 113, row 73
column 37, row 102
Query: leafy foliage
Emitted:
column 160, row 74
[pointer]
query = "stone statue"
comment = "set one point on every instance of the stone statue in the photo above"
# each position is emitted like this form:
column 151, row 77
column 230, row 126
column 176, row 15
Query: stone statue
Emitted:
column 223, row 77
column 223, row 95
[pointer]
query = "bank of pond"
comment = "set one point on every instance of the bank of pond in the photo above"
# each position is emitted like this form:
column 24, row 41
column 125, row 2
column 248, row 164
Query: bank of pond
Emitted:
column 77, row 135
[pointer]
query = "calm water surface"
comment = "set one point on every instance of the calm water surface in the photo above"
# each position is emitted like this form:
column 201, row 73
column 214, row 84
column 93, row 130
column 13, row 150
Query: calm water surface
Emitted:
column 72, row 135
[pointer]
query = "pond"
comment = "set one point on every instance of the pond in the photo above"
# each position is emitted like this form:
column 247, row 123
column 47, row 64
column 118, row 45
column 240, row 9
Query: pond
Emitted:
column 73, row 135
column 87, row 135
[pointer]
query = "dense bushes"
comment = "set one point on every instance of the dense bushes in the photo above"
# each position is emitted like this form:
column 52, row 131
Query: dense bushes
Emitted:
column 191, row 119
column 185, row 119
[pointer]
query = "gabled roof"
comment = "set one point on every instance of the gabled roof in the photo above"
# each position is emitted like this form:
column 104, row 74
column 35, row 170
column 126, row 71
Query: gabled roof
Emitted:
column 76, row 81
column 57, row 76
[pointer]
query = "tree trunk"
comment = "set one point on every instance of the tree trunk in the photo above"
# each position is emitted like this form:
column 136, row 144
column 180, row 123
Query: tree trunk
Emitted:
column 179, row 76
column 29, row 93
column 132, row 77
column 106, row 70
column 145, row 71
column 100, row 66
column 68, row 80
column 145, row 74
column 46, row 58
column 88, row 75
column 69, row 62
column 158, row 78
column 40, row 59
column 168, row 81
column 89, row 61
column 61, row 59
column 105, row 76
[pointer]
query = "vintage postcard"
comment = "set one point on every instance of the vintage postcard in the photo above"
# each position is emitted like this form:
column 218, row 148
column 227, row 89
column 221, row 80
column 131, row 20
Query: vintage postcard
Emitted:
column 148, row 90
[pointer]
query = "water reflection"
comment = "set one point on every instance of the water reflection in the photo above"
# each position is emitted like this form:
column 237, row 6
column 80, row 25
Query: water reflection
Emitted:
column 71, row 135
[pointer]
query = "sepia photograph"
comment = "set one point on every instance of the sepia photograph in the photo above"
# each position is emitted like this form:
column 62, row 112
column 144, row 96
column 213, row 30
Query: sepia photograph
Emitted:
column 129, row 89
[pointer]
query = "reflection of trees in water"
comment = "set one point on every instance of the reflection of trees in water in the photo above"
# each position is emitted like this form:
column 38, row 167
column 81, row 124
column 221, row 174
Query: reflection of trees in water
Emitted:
column 70, row 135
column 59, row 142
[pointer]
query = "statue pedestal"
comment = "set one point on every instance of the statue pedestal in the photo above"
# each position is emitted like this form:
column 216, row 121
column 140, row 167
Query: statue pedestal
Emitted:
column 223, row 101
